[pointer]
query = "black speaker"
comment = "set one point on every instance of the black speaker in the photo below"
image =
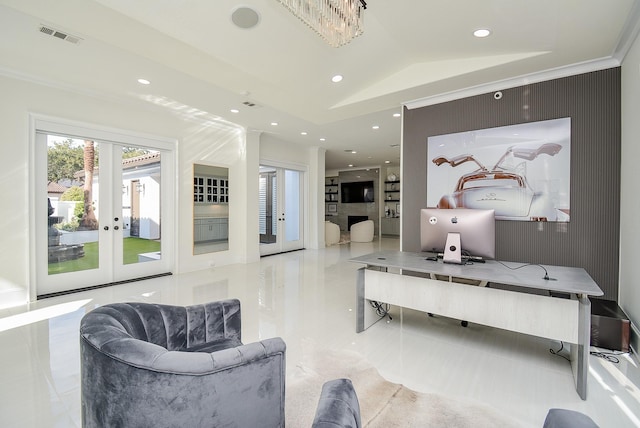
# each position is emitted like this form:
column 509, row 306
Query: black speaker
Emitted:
column 610, row 326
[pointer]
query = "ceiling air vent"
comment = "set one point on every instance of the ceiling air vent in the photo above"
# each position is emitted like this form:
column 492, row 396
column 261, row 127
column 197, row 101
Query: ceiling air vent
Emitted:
column 59, row 34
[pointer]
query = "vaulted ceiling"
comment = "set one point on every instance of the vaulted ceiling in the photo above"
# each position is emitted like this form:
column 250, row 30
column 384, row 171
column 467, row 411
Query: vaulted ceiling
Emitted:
column 280, row 71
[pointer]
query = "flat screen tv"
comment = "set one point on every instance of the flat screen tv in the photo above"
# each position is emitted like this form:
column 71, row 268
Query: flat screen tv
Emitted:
column 357, row 191
column 472, row 230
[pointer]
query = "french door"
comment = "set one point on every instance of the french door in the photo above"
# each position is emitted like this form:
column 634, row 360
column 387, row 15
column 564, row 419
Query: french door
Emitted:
column 281, row 221
column 100, row 210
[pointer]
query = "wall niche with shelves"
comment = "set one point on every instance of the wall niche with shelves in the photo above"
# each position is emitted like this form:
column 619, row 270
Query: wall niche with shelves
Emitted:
column 331, row 189
column 390, row 223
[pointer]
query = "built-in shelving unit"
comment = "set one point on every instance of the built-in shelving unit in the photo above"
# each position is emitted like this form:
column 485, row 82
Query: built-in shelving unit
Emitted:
column 390, row 223
column 210, row 190
column 392, row 191
column 331, row 189
column 331, row 196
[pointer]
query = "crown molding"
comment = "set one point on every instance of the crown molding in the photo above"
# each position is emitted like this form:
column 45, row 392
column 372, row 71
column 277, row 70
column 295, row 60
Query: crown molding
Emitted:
column 527, row 79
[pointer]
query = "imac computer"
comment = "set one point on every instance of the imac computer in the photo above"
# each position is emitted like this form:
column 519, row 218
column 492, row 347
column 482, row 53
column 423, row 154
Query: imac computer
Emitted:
column 458, row 234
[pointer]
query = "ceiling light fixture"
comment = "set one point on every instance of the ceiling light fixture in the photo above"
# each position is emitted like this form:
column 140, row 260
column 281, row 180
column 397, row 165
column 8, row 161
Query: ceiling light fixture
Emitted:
column 274, row 123
column 323, row 139
column 234, row 110
column 144, row 82
column 245, row 17
column 337, row 78
column 303, row 133
column 375, row 127
column 482, row 32
column 396, row 115
column 336, row 21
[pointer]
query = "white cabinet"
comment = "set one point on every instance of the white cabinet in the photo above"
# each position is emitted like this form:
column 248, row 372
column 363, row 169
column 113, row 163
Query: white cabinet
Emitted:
column 211, row 229
column 390, row 225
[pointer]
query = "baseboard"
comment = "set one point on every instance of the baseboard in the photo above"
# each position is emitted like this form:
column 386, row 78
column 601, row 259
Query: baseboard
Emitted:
column 95, row 287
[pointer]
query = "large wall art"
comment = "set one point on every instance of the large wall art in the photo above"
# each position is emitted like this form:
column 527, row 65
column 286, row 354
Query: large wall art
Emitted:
column 521, row 171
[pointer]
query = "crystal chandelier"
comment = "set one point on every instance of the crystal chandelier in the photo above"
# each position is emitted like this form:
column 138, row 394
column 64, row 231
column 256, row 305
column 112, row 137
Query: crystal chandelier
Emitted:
column 336, row 21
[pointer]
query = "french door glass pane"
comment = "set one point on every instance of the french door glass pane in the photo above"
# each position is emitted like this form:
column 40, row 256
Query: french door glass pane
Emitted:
column 140, row 205
column 267, row 206
column 73, row 212
column 274, row 205
column 292, row 207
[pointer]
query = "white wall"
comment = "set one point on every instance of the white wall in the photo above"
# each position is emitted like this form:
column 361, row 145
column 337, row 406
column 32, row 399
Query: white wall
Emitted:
column 629, row 289
column 200, row 138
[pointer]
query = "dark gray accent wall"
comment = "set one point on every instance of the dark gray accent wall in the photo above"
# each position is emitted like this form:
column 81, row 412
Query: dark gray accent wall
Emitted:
column 592, row 101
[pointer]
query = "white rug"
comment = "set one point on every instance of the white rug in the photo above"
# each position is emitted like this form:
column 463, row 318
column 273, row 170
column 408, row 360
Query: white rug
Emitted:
column 345, row 238
column 382, row 403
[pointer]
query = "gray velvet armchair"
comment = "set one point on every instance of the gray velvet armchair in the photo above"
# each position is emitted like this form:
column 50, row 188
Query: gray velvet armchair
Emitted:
column 338, row 406
column 152, row 365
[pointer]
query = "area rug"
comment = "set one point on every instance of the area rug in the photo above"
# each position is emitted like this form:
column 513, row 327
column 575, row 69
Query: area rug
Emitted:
column 382, row 403
column 345, row 238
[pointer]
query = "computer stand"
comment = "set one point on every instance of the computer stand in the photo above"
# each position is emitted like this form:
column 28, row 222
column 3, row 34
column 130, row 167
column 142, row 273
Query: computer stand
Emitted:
column 452, row 249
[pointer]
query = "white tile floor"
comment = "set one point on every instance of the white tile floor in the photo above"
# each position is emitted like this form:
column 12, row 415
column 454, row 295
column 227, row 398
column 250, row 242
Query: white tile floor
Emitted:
column 309, row 296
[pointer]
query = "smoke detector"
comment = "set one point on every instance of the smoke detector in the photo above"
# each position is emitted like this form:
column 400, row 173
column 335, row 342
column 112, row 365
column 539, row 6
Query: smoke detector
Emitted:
column 50, row 31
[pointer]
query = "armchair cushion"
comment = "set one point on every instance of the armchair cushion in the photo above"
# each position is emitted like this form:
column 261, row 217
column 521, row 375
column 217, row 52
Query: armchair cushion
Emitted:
column 159, row 365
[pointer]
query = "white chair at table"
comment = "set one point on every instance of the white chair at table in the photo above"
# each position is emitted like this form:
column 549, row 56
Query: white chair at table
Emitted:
column 362, row 231
column 331, row 233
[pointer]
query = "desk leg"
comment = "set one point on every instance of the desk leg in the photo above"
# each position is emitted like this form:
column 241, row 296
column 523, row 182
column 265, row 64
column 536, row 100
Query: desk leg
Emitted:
column 580, row 351
column 366, row 315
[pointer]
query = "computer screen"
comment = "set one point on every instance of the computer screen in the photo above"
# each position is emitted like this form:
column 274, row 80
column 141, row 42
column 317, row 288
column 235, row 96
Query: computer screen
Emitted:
column 475, row 229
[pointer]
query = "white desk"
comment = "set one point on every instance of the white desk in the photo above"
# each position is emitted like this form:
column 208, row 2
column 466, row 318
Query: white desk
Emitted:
column 405, row 279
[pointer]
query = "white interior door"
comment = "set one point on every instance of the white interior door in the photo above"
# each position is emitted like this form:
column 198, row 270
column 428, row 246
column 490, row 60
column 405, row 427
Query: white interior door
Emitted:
column 98, row 217
column 281, row 210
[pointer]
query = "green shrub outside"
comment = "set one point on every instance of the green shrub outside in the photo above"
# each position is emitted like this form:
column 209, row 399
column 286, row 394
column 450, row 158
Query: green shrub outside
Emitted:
column 76, row 194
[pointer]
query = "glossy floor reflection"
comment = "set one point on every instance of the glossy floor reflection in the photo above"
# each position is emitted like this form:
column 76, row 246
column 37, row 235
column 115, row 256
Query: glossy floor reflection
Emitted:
column 308, row 297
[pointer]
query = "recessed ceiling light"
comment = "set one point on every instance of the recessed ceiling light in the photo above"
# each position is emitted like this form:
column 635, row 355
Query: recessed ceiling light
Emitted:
column 303, row 133
column 323, row 139
column 274, row 123
column 482, row 32
column 350, row 165
column 396, row 115
column 354, row 152
column 387, row 161
column 144, row 81
column 337, row 78
column 234, row 110
column 375, row 127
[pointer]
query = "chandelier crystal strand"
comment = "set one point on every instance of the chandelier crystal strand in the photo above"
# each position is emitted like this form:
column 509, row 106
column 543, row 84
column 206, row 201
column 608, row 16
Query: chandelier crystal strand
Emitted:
column 336, row 21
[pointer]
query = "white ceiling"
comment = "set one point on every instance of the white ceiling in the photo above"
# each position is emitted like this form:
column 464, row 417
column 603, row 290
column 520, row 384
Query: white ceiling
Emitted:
column 411, row 49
